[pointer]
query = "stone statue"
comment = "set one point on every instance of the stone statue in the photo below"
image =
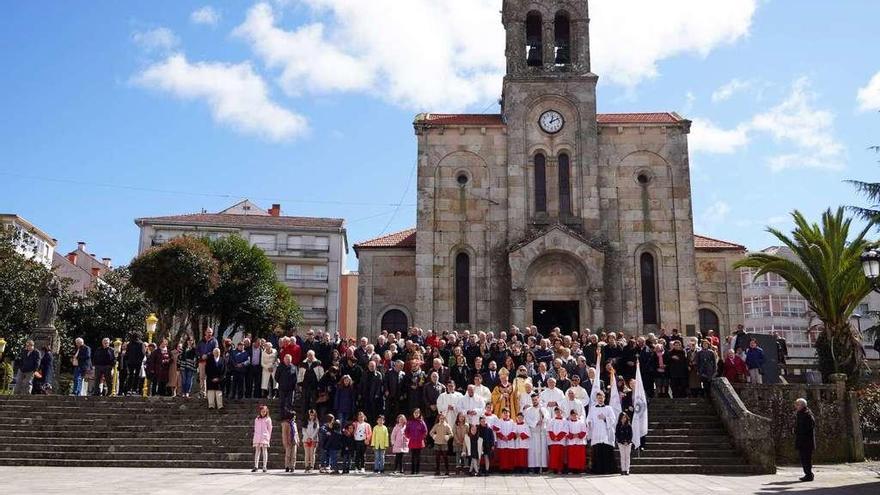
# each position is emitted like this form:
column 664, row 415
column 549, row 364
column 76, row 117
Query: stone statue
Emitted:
column 48, row 304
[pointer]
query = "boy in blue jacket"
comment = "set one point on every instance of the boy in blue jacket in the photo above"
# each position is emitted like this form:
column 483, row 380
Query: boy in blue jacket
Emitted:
column 324, row 434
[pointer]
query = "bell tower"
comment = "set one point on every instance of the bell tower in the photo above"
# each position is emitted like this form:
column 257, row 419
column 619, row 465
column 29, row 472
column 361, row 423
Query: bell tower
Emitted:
column 549, row 107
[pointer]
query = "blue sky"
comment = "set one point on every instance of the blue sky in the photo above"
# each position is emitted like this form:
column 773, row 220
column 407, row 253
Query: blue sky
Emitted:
column 116, row 110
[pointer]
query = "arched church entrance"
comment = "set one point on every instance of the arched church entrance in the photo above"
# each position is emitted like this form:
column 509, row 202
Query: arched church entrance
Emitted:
column 557, row 293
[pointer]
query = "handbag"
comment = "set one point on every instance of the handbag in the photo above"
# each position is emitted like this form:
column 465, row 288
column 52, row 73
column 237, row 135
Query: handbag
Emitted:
column 322, row 398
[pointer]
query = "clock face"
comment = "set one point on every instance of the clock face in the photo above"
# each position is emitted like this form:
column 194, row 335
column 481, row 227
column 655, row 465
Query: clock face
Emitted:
column 551, row 121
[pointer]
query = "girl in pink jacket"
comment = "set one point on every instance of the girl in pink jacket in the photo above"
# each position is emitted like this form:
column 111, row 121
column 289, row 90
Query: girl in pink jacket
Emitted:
column 399, row 443
column 262, row 435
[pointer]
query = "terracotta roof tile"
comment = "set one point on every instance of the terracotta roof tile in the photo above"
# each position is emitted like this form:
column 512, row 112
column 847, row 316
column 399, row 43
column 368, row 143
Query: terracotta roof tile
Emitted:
column 403, row 239
column 709, row 244
column 495, row 119
column 258, row 221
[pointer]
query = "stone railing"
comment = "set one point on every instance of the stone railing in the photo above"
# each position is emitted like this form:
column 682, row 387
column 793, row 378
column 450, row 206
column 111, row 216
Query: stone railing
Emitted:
column 838, row 434
column 751, row 434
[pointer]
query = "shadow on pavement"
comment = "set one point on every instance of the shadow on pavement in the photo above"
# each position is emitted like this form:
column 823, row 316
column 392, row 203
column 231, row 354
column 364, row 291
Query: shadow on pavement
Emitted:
column 782, row 487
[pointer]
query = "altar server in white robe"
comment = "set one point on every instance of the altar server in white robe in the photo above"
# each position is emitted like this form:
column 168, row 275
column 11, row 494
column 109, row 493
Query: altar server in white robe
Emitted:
column 557, row 434
column 536, row 418
column 601, row 423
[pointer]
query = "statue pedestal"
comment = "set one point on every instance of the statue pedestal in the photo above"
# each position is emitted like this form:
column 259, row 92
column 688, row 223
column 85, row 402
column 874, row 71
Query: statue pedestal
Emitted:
column 46, row 336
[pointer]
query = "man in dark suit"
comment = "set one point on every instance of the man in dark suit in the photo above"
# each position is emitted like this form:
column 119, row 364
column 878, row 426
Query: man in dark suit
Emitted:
column 805, row 437
column 372, row 392
column 490, row 377
column 254, row 373
column 393, row 390
column 442, row 371
column 215, row 372
column 285, row 377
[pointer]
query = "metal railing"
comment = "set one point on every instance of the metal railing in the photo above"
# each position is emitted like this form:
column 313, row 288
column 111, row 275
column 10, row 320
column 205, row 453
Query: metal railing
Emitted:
column 308, row 277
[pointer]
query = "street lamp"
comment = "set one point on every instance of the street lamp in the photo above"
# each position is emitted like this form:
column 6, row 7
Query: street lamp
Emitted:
column 117, row 349
column 151, row 329
column 871, row 266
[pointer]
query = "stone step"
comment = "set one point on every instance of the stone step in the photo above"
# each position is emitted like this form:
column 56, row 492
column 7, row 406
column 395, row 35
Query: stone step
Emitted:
column 728, row 469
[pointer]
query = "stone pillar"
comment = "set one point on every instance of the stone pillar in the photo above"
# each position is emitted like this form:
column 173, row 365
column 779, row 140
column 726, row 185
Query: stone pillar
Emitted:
column 518, row 298
column 597, row 307
column 549, row 44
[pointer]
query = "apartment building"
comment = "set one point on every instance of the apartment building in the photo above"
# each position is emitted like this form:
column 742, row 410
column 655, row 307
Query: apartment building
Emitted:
column 33, row 242
column 308, row 253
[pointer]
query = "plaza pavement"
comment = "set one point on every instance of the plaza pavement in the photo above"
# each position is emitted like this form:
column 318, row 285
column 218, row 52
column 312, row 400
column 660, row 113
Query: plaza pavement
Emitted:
column 863, row 478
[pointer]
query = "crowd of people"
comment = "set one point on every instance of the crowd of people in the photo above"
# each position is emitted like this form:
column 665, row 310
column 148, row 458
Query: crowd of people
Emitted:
column 519, row 398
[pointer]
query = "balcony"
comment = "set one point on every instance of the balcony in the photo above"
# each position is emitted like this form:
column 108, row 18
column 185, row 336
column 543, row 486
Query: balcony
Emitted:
column 295, row 250
column 314, row 314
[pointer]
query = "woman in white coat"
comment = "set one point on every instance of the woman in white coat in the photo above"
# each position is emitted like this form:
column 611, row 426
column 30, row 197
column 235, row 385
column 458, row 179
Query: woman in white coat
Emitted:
column 268, row 361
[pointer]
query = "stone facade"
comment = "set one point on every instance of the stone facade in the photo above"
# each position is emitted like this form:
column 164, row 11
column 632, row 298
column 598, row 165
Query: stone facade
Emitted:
column 581, row 215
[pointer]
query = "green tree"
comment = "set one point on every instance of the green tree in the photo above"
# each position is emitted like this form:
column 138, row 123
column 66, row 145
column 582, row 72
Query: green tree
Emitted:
column 178, row 279
column 829, row 275
column 871, row 191
column 285, row 311
column 21, row 280
column 246, row 290
column 112, row 308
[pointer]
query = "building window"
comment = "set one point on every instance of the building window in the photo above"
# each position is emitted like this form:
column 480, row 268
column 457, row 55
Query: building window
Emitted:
column 708, row 321
column 564, row 185
column 562, row 29
column 394, row 320
column 293, row 272
column 263, row 241
column 540, row 183
column 648, row 271
column 319, row 273
column 462, row 288
column 534, row 38
column 319, row 302
column 322, row 243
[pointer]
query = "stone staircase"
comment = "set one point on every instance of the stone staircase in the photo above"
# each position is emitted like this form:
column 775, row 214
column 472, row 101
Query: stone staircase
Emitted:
column 686, row 436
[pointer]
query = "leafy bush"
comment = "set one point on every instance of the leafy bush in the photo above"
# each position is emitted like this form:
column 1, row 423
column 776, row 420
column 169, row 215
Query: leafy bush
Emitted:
column 869, row 410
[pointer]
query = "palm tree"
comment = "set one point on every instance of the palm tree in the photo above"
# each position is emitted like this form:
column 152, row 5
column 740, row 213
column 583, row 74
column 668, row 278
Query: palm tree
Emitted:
column 828, row 274
column 871, row 190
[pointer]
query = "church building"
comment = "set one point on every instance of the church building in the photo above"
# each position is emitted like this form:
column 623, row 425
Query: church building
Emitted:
column 550, row 213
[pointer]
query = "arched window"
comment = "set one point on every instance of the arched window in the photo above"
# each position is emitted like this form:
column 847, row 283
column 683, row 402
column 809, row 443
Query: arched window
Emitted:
column 564, row 185
column 562, row 30
column 534, row 38
column 648, row 269
column 540, row 183
column 394, row 320
column 708, row 321
column 462, row 288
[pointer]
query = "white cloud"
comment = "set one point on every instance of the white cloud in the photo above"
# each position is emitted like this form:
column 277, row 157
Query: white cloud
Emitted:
column 630, row 37
column 807, row 133
column 236, row 95
column 449, row 55
column 158, row 39
column 205, row 15
column 715, row 214
column 809, row 130
column 727, row 90
column 307, row 59
column 869, row 96
column 707, row 137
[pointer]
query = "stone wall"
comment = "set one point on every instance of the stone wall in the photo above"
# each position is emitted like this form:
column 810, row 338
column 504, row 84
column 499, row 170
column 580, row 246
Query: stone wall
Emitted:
column 751, row 434
column 386, row 280
column 719, row 288
column 838, row 436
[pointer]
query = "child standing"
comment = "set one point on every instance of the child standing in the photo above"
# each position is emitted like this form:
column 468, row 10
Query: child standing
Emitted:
column 459, row 437
column 399, row 443
column 488, row 435
column 416, row 431
column 473, row 449
column 291, row 442
column 362, row 436
column 347, row 450
column 521, row 444
column 310, row 439
column 333, row 446
column 576, row 450
column 262, row 435
column 325, row 434
column 624, row 435
column 379, row 443
column 557, row 431
column 441, row 433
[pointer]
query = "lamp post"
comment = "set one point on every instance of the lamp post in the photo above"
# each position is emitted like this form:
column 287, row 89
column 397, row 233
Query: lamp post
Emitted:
column 151, row 329
column 871, row 266
column 117, row 349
